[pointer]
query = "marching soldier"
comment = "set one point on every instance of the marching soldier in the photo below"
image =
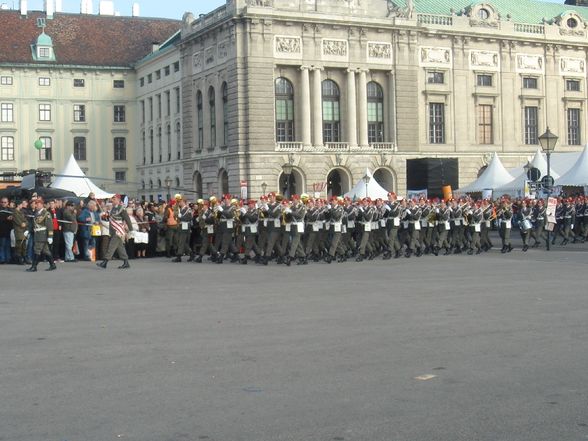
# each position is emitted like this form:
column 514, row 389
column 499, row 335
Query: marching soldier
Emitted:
column 477, row 216
column 274, row 225
column 228, row 215
column 183, row 216
column 443, row 228
column 525, row 224
column 489, row 215
column 297, row 212
column 569, row 213
column 393, row 224
column 207, row 219
column 20, row 225
column 336, row 215
column 249, row 218
column 505, row 216
column 43, row 235
column 120, row 223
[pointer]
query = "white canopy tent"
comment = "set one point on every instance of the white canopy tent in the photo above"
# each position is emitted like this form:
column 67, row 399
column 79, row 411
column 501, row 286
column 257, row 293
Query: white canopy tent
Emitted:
column 493, row 177
column 72, row 178
column 517, row 186
column 372, row 189
column 577, row 176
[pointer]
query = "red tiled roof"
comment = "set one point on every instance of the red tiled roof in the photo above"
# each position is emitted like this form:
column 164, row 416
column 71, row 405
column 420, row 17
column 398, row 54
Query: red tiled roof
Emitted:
column 83, row 39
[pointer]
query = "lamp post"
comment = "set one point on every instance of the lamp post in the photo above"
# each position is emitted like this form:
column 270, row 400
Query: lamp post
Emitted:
column 366, row 179
column 548, row 141
column 168, row 183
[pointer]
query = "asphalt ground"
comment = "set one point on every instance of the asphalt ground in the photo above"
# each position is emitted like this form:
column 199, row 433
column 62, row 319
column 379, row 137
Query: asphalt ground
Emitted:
column 490, row 347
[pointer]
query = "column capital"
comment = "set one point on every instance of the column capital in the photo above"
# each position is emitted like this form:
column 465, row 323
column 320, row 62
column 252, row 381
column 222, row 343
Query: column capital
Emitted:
column 362, row 70
column 317, row 68
column 351, row 71
column 309, row 68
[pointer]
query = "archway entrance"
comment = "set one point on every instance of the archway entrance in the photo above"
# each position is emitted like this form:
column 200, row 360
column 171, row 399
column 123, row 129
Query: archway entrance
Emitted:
column 197, row 184
column 385, row 178
column 337, row 182
column 223, row 181
column 291, row 184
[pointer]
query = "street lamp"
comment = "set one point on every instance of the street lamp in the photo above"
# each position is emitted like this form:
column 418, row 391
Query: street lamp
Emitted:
column 168, row 183
column 548, row 141
column 366, row 179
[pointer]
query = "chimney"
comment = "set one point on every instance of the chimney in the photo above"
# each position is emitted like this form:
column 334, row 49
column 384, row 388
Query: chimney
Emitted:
column 136, row 10
column 106, row 7
column 155, row 46
column 49, row 8
column 23, row 7
column 87, row 7
column 58, row 5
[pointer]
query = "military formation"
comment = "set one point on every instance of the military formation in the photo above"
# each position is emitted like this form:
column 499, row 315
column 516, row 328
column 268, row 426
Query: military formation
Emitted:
column 304, row 229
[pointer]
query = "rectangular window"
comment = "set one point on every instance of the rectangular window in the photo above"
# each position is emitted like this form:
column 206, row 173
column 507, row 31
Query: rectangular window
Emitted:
column 79, row 113
column 529, row 83
column 118, row 84
column 142, row 81
column 7, row 112
column 7, row 148
column 44, row 112
column 166, row 70
column 44, row 52
column 45, row 152
column 574, row 126
column 79, row 149
column 6, row 81
column 484, row 80
column 119, row 114
column 435, row 77
column 158, row 106
column 531, row 126
column 158, row 75
column 120, row 177
column 44, row 81
column 573, row 85
column 177, row 66
column 79, row 82
column 149, row 79
column 436, row 123
column 375, row 109
column 143, row 112
column 150, row 101
column 167, row 103
column 485, row 131
column 120, row 149
column 178, row 103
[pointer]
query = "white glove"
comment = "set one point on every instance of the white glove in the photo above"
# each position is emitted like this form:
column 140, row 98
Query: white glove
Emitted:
column 50, row 240
column 26, row 234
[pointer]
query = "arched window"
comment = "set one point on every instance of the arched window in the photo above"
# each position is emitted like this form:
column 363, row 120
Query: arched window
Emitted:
column 200, row 116
column 159, row 144
column 197, row 182
column 223, row 178
column 151, row 184
column 144, row 147
column 168, row 135
column 331, row 112
column 151, row 144
column 142, row 185
column 375, row 111
column 178, row 183
column 179, row 140
column 225, row 114
column 212, row 112
column 159, row 183
column 284, row 110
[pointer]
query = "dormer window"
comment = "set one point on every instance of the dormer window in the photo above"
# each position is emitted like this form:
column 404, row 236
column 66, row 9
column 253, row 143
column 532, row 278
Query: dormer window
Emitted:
column 44, row 52
column 483, row 14
column 572, row 23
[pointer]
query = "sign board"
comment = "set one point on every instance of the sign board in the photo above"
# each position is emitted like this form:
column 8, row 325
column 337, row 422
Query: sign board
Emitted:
column 534, row 174
column 547, row 181
column 550, row 212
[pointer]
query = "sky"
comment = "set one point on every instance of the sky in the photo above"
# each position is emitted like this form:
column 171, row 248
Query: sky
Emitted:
column 149, row 8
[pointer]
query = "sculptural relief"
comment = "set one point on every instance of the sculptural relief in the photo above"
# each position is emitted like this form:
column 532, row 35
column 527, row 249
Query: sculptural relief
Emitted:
column 530, row 63
column 379, row 51
column 570, row 66
column 488, row 60
column 435, row 56
column 336, row 49
column 288, row 45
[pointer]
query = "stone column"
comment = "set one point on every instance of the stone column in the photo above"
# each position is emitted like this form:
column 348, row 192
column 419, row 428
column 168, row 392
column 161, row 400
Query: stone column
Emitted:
column 362, row 111
column 391, row 117
column 317, row 108
column 351, row 109
column 305, row 108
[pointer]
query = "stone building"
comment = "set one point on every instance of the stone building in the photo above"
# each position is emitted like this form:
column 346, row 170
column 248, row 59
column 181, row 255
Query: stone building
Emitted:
column 68, row 80
column 328, row 88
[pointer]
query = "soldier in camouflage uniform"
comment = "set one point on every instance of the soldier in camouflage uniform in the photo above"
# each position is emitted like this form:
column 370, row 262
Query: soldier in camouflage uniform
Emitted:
column 43, row 234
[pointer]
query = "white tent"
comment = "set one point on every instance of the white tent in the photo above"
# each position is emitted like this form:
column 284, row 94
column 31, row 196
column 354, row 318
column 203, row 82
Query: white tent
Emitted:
column 372, row 189
column 577, row 175
column 516, row 187
column 72, row 178
column 493, row 177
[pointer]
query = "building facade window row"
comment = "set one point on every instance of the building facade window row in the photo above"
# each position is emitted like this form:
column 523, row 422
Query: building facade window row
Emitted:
column 150, row 154
column 209, row 109
column 167, row 70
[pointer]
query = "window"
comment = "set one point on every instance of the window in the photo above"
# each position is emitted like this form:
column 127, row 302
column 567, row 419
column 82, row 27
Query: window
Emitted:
column 531, row 126
column 7, row 148
column 212, row 112
column 7, row 112
column 158, row 97
column 149, row 79
column 79, row 82
column 225, row 114
column 483, row 14
column 120, row 177
column 375, row 111
column 573, row 85
column 284, row 110
column 485, row 132
column 158, row 75
column 79, row 113
column 79, row 149
column 120, row 149
column 159, row 145
column 178, row 103
column 167, row 103
column 119, row 114
column 331, row 116
column 484, row 80
column 150, row 109
column 529, row 83
column 200, row 120
column 44, row 52
column 44, row 112
column 45, row 152
column 6, row 81
column 142, row 81
column 435, row 77
column 179, row 140
column 118, row 84
column 574, row 127
column 143, row 112
column 166, row 70
column 168, row 139
column 177, row 66
column 151, row 145
column 44, row 81
column 436, row 123
column 144, row 147
column 572, row 23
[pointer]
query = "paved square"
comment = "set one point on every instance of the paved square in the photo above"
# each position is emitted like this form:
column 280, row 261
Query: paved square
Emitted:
column 448, row 348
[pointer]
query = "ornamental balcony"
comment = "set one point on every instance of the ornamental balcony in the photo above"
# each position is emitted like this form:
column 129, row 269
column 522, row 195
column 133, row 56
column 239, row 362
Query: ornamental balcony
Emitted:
column 336, row 147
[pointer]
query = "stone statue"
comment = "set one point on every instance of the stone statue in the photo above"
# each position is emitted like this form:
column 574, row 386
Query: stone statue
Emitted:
column 394, row 10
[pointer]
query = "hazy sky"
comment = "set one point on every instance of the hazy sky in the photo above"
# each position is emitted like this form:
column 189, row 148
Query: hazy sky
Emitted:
column 149, row 8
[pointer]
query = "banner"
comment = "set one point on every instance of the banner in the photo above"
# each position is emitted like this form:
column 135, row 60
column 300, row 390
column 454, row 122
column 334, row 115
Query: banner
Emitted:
column 416, row 194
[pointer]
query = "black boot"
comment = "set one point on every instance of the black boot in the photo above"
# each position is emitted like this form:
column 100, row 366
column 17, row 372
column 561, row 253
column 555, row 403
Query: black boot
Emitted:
column 191, row 258
column 103, row 264
column 397, row 254
column 35, row 262
column 177, row 259
column 503, row 250
column 525, row 248
column 234, row 258
column 198, row 259
column 510, row 248
column 125, row 265
column 265, row 260
column 20, row 261
column 219, row 258
column 243, row 261
column 359, row 258
column 328, row 258
column 52, row 266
